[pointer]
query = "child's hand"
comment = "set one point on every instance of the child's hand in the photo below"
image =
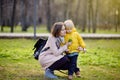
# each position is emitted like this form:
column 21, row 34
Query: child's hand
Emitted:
column 67, row 51
column 85, row 50
column 80, row 48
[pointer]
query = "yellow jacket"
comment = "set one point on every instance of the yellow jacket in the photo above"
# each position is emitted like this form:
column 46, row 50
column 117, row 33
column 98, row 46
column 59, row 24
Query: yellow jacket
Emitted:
column 77, row 41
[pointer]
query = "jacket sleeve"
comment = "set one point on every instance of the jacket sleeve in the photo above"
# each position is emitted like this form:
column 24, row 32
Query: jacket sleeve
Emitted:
column 80, row 39
column 54, row 48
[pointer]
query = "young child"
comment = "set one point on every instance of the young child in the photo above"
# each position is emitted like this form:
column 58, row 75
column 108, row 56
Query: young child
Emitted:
column 73, row 50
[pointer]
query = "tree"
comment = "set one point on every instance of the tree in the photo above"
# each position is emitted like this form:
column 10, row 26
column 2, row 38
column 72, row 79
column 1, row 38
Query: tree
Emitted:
column 13, row 15
column 1, row 16
column 35, row 11
column 95, row 16
column 90, row 10
column 77, row 11
column 0, row 11
column 65, row 9
column 24, row 15
column 84, row 14
column 116, row 11
column 48, row 14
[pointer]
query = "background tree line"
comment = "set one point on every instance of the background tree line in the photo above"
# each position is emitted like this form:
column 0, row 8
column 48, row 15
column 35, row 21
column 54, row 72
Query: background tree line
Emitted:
column 88, row 15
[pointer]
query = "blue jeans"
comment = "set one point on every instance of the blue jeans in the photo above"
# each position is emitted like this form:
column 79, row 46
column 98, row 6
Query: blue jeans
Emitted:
column 73, row 65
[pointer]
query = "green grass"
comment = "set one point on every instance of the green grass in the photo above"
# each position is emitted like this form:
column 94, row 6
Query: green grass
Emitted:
column 43, row 29
column 101, row 62
column 17, row 29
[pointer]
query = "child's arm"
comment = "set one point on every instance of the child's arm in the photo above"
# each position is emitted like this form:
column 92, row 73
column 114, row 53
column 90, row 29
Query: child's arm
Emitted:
column 80, row 40
column 82, row 49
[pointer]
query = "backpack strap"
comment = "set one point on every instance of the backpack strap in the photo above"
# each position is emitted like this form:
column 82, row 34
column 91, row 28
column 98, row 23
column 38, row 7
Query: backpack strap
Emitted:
column 45, row 49
column 33, row 48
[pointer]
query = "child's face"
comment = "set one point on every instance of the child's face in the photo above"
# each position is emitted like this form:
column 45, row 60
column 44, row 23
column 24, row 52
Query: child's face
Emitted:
column 68, row 30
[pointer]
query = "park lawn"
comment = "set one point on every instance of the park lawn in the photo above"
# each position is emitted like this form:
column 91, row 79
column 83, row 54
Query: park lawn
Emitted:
column 43, row 29
column 101, row 62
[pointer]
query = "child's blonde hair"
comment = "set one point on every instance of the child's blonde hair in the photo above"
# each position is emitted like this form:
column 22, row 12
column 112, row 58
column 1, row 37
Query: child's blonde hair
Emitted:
column 69, row 24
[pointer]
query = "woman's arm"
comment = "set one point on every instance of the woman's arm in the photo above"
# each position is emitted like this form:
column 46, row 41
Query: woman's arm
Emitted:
column 54, row 49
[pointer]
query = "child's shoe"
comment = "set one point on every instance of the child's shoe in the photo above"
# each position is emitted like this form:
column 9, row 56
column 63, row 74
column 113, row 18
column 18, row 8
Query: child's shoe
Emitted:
column 70, row 77
column 78, row 74
column 49, row 74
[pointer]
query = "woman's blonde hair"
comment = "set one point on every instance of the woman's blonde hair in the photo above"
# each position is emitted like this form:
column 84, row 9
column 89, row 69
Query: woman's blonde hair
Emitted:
column 68, row 24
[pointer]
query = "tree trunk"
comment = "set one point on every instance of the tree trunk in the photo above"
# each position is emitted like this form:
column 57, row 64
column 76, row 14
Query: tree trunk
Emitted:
column 65, row 9
column 24, row 15
column 95, row 17
column 35, row 11
column 84, row 15
column 77, row 12
column 1, row 20
column 13, row 16
column 89, row 15
column 48, row 14
column 0, row 12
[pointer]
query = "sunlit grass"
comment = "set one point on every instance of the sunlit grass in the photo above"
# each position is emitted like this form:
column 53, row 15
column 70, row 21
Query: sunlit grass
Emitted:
column 101, row 62
column 43, row 29
column 17, row 29
column 101, row 31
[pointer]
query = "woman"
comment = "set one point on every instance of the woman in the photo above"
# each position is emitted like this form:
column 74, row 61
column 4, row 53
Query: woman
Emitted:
column 53, row 58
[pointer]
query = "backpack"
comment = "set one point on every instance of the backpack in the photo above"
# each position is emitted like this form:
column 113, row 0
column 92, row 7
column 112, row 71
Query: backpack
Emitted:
column 38, row 47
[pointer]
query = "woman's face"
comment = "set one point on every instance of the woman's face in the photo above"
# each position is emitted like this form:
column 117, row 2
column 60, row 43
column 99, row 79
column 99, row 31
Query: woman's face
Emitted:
column 63, row 31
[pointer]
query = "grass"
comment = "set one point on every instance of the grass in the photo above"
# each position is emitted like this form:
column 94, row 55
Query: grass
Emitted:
column 17, row 29
column 101, row 62
column 43, row 29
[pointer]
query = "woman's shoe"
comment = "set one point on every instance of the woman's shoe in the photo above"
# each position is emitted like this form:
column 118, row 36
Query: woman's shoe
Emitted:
column 70, row 77
column 49, row 74
column 78, row 74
